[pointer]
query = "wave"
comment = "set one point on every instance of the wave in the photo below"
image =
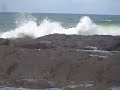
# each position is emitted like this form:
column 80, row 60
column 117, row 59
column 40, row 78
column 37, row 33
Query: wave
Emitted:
column 14, row 88
column 28, row 26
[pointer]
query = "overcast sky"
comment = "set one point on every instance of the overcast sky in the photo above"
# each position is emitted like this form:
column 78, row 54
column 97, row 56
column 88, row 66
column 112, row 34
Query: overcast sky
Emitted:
column 62, row 6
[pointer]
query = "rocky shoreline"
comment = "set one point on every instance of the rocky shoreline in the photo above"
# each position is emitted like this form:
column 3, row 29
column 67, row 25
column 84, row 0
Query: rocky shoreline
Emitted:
column 70, row 62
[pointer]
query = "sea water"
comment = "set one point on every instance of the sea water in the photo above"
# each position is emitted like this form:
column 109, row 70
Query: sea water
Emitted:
column 19, row 25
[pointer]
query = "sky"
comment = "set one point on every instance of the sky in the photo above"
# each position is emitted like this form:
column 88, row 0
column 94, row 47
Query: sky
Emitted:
column 111, row 7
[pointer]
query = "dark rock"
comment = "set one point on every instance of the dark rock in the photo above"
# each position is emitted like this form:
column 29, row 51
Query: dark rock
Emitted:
column 56, row 41
column 61, row 59
column 4, row 41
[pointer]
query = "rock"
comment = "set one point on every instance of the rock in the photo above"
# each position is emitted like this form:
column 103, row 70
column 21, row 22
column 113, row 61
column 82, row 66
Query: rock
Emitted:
column 61, row 60
column 4, row 41
column 56, row 41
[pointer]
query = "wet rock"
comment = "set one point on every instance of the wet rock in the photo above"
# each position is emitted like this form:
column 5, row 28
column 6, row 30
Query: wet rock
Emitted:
column 4, row 41
column 61, row 59
column 110, row 43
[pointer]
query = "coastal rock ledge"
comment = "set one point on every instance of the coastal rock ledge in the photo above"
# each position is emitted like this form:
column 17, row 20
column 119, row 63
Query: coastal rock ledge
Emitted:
column 70, row 62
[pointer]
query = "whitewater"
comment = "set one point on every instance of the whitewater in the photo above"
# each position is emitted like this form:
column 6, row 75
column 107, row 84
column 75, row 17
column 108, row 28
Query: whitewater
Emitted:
column 30, row 27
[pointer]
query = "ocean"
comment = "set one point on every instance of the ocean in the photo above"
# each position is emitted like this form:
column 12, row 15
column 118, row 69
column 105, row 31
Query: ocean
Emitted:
column 18, row 25
column 34, row 25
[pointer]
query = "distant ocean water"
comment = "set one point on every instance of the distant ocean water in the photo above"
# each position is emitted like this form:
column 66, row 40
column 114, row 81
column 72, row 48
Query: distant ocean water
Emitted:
column 18, row 25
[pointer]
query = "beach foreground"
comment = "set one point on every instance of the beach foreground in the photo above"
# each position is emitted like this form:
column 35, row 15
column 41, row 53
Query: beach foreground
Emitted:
column 70, row 62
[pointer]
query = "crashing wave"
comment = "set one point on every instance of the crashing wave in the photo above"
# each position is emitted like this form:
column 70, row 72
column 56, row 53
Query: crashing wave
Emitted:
column 29, row 27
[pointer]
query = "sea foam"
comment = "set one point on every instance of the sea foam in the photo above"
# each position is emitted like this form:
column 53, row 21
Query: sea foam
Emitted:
column 29, row 27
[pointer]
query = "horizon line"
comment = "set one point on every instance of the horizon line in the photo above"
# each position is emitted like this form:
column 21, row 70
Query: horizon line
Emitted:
column 58, row 13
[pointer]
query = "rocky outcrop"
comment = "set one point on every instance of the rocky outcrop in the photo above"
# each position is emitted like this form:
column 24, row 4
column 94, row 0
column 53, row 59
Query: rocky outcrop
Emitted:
column 68, row 61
